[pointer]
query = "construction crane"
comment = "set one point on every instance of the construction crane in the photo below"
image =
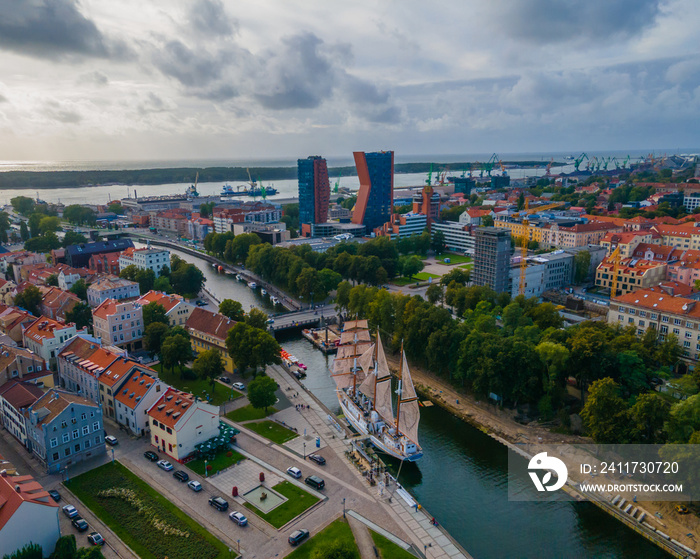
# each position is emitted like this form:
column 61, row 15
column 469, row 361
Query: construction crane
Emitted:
column 537, row 209
column 615, row 259
column 490, row 164
column 523, row 249
column 579, row 160
column 429, row 182
column 549, row 167
column 337, row 185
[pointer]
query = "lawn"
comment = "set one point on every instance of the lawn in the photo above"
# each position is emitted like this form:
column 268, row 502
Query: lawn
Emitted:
column 388, row 549
column 220, row 462
column 297, row 502
column 248, row 413
column 420, row 276
column 198, row 387
column 134, row 519
column 272, row 430
column 454, row 259
column 336, row 530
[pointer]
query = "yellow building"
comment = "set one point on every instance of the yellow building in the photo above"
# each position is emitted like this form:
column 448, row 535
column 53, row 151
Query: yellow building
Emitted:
column 632, row 274
column 208, row 330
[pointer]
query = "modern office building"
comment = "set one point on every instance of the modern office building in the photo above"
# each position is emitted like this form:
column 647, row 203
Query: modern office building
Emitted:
column 375, row 198
column 492, row 258
column 314, row 192
column 458, row 237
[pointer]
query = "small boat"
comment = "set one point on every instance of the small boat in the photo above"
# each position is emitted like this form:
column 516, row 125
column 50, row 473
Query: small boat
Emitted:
column 301, row 366
column 239, row 277
column 263, row 292
column 253, row 285
column 274, row 300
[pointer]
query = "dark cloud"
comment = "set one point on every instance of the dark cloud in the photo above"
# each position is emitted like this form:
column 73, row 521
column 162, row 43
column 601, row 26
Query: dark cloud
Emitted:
column 559, row 21
column 209, row 18
column 53, row 29
column 190, row 68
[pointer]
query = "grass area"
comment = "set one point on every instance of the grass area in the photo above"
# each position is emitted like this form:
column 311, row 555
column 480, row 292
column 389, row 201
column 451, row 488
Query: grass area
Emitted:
column 248, row 413
column 272, row 430
column 132, row 520
column 297, row 502
column 467, row 266
column 454, row 259
column 198, row 387
column 388, row 549
column 220, row 462
column 336, row 530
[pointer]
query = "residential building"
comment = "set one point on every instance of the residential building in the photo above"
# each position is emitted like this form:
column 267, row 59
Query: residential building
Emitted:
column 272, row 233
column 247, row 212
column 473, row 216
column 578, row 235
column 111, row 287
column 627, row 242
column 198, row 228
column 376, row 195
column 119, row 323
column 314, row 191
column 632, row 274
column 13, row 322
column 492, row 258
column 14, row 397
column 27, row 515
column 111, row 381
column 176, row 308
column 173, row 219
column 105, row 263
column 178, row 421
column 18, row 259
column 63, row 429
column 685, row 267
column 78, row 256
column 21, row 364
column 544, row 272
column 207, row 331
column 6, row 287
column 80, row 363
column 55, row 303
column 134, row 398
column 458, row 237
column 145, row 259
column 403, row 225
column 67, row 277
column 46, row 337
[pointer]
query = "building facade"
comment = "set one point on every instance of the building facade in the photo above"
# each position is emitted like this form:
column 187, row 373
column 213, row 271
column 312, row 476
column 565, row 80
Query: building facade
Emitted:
column 314, row 190
column 145, row 259
column 134, row 399
column 376, row 195
column 119, row 323
column 492, row 258
column 111, row 287
column 209, row 330
column 78, row 256
column 458, row 237
column 403, row 225
column 14, row 397
column 46, row 337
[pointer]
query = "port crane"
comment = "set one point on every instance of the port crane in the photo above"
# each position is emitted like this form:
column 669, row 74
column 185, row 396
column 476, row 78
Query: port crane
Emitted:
column 579, row 160
column 490, row 164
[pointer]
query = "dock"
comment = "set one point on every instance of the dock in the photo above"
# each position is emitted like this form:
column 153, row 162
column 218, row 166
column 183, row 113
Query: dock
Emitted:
column 324, row 339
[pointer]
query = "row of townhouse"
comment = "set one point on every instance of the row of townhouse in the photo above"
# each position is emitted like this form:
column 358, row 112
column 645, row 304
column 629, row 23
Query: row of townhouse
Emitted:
column 46, row 337
column 208, row 331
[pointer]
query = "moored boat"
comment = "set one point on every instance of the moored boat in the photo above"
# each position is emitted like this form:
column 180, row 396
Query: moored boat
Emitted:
column 252, row 285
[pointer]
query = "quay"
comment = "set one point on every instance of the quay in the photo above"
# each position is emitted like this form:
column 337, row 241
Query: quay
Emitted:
column 324, row 339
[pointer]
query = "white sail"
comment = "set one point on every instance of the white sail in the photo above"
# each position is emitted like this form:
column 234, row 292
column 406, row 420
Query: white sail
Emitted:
column 407, row 389
column 354, row 335
column 409, row 414
column 382, row 397
column 366, row 360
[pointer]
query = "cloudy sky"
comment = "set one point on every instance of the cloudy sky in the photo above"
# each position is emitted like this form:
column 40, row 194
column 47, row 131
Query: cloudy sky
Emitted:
column 145, row 79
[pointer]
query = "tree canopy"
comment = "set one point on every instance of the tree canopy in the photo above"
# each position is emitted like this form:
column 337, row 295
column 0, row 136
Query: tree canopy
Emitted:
column 261, row 392
column 209, row 366
column 252, row 347
column 232, row 309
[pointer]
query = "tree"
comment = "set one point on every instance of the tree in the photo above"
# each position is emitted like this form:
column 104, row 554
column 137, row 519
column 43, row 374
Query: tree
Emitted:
column 52, row 280
column 487, row 221
column 29, row 299
column 34, row 221
column 79, row 288
column 209, row 366
column 176, row 350
column 187, row 280
column 154, row 312
column 22, row 205
column 205, row 210
column 434, row 293
column 460, row 275
column 329, row 279
column 232, row 309
column 154, row 335
column 146, row 279
column 4, row 226
column 684, row 420
column 582, row 264
column 261, row 392
column 410, row 266
column 129, row 272
column 23, row 230
column 252, row 347
column 43, row 243
column 81, row 314
column 115, row 207
column 521, row 201
column 648, row 416
column 605, row 413
column 256, row 318
column 337, row 549
column 66, row 548
column 437, row 242
column 29, row 551
column 162, row 283
column 79, row 214
column 73, row 238
column 237, row 249
column 49, row 224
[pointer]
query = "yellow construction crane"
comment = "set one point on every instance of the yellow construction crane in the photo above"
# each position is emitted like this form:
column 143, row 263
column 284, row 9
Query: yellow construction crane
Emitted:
column 528, row 211
column 615, row 259
column 523, row 250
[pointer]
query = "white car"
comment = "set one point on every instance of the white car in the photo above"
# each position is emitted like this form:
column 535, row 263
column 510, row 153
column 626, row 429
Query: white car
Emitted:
column 70, row 511
column 195, row 486
column 165, row 465
column 238, row 385
column 239, row 518
column 294, row 472
column 111, row 440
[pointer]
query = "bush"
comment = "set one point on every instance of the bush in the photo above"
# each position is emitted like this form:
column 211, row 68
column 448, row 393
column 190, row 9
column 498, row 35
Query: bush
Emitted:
column 229, row 454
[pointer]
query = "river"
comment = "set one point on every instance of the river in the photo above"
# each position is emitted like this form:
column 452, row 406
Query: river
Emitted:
column 462, row 478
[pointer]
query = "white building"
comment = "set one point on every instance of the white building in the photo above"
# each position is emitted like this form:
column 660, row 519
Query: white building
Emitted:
column 543, row 272
column 145, row 259
column 66, row 280
column 119, row 323
column 46, row 337
column 458, row 237
column 134, row 399
column 27, row 515
column 176, row 309
column 111, row 287
column 14, row 396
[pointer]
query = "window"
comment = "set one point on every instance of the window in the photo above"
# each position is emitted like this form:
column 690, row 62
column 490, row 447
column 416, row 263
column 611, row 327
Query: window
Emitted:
column 67, row 452
column 633, row 311
column 630, row 320
column 677, row 321
column 66, row 437
column 76, row 434
column 641, row 323
column 664, row 319
column 87, row 443
column 77, row 447
column 54, row 442
column 689, row 325
column 97, row 439
column 96, row 426
column 64, row 423
column 56, row 456
column 642, row 313
column 664, row 329
column 654, row 316
column 170, row 447
column 620, row 318
column 86, row 430
column 169, row 430
column 676, row 331
column 688, row 335
column 156, row 439
column 83, row 416
column 686, row 344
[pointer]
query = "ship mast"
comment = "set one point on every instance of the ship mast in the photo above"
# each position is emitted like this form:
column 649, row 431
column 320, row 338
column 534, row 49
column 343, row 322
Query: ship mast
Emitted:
column 398, row 391
column 376, row 366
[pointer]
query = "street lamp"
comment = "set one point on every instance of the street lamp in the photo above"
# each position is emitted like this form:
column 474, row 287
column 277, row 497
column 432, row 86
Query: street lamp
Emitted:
column 304, row 450
column 112, row 455
column 205, row 468
column 343, row 507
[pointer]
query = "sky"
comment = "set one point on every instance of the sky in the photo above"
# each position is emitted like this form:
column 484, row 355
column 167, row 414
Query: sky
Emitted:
column 171, row 79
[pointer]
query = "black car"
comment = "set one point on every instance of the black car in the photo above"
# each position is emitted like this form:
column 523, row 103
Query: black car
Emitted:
column 152, row 456
column 297, row 537
column 315, row 482
column 225, row 379
column 218, row 503
column 181, row 475
column 80, row 523
column 320, row 460
column 55, row 495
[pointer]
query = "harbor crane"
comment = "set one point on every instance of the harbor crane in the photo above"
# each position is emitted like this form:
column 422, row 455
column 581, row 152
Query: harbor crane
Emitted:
column 579, row 160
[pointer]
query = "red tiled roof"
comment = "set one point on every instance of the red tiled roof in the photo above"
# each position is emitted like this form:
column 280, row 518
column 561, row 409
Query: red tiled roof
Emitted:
column 135, row 389
column 43, row 328
column 660, row 301
column 171, row 406
column 21, row 394
column 17, row 490
column 214, row 324
column 167, row 301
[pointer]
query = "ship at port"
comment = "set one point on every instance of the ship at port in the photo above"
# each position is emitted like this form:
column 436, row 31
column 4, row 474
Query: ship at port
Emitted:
column 244, row 190
column 363, row 381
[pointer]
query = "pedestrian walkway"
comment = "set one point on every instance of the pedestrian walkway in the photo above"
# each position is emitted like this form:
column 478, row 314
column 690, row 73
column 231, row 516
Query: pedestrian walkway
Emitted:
column 296, row 419
column 245, row 476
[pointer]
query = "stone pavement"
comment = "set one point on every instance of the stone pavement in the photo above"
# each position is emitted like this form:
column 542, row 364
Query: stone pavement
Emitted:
column 245, row 476
column 305, row 443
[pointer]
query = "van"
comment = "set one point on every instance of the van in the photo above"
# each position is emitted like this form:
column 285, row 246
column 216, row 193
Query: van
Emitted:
column 315, row 482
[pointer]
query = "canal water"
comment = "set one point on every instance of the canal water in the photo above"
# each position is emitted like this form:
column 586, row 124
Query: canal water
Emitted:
column 462, row 478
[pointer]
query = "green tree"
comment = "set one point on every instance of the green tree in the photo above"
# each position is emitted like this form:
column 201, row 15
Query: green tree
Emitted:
column 115, row 207
column 237, row 249
column 29, row 299
column 4, row 226
column 43, row 243
column 343, row 295
column 309, row 285
column 176, row 350
column 256, row 318
column 23, row 230
column 521, row 201
column 329, row 279
column 434, row 293
column 22, row 204
column 154, row 312
column 187, row 280
column 129, row 272
column 66, row 548
column 34, row 221
column 146, row 278
column 81, row 314
column 52, row 280
column 410, row 266
column 582, row 265
column 684, row 420
column 209, row 366
column 605, row 413
column 206, row 209
column 232, row 309
column 487, row 221
column 460, row 275
column 154, row 335
column 252, row 347
column 162, row 284
column 49, row 224
column 648, row 416
column 437, row 242
column 79, row 214
column 90, row 553
column 79, row 288
column 29, row 551
column 261, row 392
column 73, row 238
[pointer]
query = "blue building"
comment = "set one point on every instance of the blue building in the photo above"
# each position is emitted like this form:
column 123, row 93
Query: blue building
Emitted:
column 63, row 429
column 375, row 197
column 314, row 192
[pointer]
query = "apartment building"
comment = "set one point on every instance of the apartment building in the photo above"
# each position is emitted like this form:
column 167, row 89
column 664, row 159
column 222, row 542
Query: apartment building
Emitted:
column 134, row 398
column 632, row 274
column 247, row 212
column 145, row 259
column 403, row 225
column 209, row 330
column 80, row 363
column 111, row 287
column 14, row 397
column 17, row 364
column 119, row 323
column 176, row 308
column 46, row 337
column 627, row 241
column 458, row 237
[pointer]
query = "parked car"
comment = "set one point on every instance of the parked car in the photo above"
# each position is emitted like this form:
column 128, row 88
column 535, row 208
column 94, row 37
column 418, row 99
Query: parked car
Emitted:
column 181, row 475
column 95, row 538
column 320, row 460
column 218, row 503
column 238, row 385
column 315, row 482
column 165, row 465
column 239, row 518
column 294, row 472
column 111, row 440
column 152, row 456
column 80, row 523
column 70, row 511
column 55, row 495
column 195, row 486
column 225, row 379
column 295, row 538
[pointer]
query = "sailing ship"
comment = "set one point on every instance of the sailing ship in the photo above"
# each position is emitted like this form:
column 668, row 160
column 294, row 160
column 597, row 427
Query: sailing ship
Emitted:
column 363, row 381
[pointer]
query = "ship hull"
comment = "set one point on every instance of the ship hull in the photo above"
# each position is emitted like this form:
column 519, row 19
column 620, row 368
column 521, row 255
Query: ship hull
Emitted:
column 376, row 441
